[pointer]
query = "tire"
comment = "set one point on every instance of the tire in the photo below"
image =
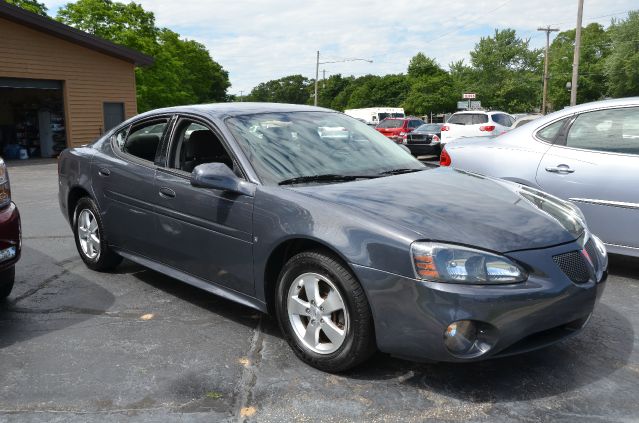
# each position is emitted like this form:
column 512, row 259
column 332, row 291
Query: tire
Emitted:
column 352, row 338
column 91, row 244
column 7, row 278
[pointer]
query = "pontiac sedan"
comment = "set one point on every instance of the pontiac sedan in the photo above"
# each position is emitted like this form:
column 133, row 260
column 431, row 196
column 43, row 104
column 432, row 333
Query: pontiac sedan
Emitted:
column 352, row 243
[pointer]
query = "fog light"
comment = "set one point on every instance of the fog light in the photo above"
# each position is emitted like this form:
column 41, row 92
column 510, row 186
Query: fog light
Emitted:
column 460, row 337
column 469, row 338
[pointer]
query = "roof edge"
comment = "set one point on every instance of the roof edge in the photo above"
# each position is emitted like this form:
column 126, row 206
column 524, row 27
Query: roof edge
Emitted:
column 67, row 33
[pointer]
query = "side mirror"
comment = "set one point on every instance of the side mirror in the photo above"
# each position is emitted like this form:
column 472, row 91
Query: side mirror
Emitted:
column 220, row 176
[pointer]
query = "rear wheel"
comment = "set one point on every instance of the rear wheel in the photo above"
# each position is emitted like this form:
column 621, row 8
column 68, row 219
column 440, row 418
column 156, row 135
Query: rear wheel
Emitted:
column 323, row 312
column 90, row 237
column 7, row 278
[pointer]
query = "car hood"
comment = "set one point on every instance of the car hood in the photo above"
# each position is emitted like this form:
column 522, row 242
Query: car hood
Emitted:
column 444, row 204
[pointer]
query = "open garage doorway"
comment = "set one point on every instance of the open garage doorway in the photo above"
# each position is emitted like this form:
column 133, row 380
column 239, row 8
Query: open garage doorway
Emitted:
column 32, row 121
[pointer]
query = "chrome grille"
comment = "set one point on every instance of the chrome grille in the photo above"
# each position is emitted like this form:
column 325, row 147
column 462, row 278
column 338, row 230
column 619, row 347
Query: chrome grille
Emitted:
column 574, row 265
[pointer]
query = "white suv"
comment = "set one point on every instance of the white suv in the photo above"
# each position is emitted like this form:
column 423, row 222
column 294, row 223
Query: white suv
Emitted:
column 476, row 123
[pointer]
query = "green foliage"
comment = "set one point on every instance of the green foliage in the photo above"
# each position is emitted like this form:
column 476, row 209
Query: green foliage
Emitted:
column 293, row 89
column 421, row 65
column 183, row 72
column 622, row 65
column 508, row 73
column 30, row 5
column 384, row 91
column 592, row 84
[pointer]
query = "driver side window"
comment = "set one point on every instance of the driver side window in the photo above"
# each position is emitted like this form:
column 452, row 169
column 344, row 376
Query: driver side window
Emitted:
column 195, row 144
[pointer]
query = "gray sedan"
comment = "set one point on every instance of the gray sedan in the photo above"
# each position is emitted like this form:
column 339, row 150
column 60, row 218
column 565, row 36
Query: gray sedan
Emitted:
column 588, row 154
column 351, row 242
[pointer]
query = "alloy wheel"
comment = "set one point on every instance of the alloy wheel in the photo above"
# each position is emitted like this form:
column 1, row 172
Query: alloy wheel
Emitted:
column 89, row 234
column 317, row 313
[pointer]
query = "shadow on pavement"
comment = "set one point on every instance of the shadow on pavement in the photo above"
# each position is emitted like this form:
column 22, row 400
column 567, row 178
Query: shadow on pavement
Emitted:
column 37, row 310
column 215, row 304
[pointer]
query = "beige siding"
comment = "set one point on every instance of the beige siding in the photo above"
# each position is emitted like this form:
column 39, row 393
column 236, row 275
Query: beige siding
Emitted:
column 90, row 78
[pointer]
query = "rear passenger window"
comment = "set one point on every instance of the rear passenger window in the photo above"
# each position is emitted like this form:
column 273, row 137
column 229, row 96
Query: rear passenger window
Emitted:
column 503, row 120
column 144, row 139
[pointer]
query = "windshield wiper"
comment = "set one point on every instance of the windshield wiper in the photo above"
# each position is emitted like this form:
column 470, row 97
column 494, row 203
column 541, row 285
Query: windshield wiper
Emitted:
column 400, row 171
column 329, row 177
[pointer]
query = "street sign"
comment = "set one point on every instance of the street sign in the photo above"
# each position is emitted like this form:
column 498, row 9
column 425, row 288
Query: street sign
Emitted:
column 462, row 105
column 475, row 105
column 468, row 96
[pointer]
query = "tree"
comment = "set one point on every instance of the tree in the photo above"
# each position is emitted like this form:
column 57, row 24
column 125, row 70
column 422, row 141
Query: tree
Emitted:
column 421, row 65
column 30, row 5
column 183, row 72
column 387, row 90
column 508, row 72
column 622, row 65
column 595, row 48
column 431, row 94
column 293, row 89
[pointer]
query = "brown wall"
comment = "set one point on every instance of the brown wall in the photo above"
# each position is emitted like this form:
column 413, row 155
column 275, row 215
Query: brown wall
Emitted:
column 90, row 78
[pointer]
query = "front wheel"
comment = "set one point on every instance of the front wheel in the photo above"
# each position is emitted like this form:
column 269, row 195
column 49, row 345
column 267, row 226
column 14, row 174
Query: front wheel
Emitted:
column 89, row 236
column 7, row 278
column 323, row 312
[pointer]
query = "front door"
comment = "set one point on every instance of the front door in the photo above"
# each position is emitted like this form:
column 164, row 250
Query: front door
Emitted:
column 206, row 232
column 595, row 166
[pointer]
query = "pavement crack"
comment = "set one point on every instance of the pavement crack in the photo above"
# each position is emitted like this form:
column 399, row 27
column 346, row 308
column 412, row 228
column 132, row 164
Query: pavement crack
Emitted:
column 40, row 287
column 249, row 375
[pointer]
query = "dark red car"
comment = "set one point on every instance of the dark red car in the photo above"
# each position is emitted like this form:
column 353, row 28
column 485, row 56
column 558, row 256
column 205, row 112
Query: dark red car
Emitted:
column 10, row 234
column 396, row 128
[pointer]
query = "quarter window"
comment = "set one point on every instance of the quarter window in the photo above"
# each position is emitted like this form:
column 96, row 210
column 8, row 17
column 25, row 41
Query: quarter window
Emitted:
column 549, row 133
column 612, row 130
column 143, row 139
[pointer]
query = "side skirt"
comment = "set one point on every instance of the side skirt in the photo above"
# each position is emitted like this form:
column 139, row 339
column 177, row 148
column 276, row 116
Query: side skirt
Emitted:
column 211, row 287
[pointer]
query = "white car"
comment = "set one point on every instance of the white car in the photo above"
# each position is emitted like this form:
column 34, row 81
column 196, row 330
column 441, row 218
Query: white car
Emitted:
column 476, row 123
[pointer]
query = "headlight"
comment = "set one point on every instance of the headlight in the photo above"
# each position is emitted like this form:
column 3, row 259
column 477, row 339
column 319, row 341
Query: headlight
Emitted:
column 438, row 262
column 5, row 190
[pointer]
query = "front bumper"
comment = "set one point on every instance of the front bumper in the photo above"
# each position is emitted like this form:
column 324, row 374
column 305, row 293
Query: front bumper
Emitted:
column 411, row 316
column 10, row 236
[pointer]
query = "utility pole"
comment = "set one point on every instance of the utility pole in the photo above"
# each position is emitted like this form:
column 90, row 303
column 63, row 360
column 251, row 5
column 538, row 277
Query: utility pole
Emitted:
column 316, row 77
column 317, row 63
column 547, row 30
column 241, row 96
column 575, row 62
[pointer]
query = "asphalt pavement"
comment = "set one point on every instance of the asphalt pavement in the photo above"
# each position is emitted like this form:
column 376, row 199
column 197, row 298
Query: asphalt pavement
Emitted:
column 134, row 345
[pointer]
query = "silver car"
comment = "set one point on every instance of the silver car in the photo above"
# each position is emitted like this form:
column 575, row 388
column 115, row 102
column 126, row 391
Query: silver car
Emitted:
column 588, row 154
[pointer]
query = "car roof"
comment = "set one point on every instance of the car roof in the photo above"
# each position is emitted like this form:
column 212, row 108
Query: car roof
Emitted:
column 464, row 112
column 223, row 110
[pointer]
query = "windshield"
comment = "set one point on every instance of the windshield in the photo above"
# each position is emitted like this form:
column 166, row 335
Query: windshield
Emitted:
column 391, row 123
column 282, row 146
column 429, row 128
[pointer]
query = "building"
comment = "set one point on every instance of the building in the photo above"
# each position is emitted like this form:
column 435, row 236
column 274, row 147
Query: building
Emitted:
column 59, row 86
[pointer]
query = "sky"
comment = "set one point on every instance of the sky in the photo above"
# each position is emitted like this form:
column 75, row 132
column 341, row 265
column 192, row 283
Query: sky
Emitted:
column 257, row 41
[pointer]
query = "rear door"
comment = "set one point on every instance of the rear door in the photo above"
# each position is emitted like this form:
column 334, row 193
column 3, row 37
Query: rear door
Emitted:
column 123, row 180
column 595, row 164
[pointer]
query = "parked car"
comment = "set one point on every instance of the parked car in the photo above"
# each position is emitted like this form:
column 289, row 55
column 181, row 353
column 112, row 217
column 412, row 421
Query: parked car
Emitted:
column 10, row 234
column 337, row 237
column 396, row 128
column 424, row 140
column 522, row 120
column 588, row 154
column 475, row 123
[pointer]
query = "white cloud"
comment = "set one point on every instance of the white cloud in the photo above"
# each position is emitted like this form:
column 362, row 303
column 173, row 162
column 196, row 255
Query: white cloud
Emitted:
column 258, row 40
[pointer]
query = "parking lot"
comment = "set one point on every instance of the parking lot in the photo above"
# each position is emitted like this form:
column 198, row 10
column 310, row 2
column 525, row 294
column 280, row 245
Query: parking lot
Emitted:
column 76, row 345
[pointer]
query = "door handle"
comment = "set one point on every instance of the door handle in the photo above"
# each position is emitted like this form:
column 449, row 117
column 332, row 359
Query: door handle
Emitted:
column 167, row 192
column 104, row 172
column 562, row 168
